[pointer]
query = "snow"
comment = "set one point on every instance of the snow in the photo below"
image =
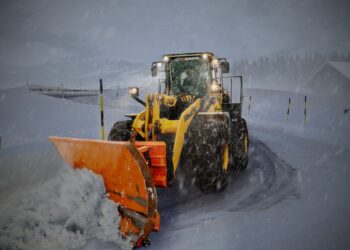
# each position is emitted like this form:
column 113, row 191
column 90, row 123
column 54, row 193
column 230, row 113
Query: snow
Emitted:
column 27, row 117
column 45, row 204
column 300, row 202
column 342, row 67
column 61, row 213
column 293, row 195
column 326, row 120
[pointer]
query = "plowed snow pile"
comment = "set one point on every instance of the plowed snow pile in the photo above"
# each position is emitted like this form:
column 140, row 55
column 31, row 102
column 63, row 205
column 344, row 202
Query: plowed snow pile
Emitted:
column 63, row 213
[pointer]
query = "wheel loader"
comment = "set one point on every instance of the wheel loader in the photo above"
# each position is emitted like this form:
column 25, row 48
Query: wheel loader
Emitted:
column 191, row 125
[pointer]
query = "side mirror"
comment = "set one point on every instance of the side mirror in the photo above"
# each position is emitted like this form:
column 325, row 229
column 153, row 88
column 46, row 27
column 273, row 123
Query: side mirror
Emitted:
column 225, row 67
column 134, row 92
column 154, row 69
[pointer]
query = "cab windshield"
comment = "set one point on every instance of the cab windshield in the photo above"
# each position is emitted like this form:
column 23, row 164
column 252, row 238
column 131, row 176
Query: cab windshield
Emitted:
column 189, row 75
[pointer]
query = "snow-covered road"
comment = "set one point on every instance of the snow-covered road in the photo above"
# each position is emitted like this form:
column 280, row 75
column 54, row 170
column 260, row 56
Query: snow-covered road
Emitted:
column 300, row 202
column 191, row 219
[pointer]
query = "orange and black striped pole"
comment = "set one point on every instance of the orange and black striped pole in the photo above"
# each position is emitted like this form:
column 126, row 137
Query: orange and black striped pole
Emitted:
column 305, row 104
column 101, row 110
column 289, row 101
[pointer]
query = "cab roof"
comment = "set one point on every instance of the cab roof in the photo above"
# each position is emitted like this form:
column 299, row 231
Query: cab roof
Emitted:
column 189, row 54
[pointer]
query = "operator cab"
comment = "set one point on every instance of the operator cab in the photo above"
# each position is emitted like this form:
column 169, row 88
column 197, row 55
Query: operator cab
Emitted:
column 190, row 73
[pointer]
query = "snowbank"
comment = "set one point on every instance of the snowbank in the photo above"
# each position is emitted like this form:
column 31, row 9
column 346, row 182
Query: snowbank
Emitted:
column 26, row 117
column 326, row 120
column 63, row 213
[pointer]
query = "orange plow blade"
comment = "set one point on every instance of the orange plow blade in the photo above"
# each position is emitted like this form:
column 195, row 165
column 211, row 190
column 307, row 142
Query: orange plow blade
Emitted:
column 127, row 177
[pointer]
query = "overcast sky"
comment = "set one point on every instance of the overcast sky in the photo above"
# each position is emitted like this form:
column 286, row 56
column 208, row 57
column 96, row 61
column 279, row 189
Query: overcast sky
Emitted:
column 39, row 37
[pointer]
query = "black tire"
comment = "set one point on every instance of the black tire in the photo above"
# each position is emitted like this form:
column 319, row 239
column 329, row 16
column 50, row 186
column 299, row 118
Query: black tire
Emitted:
column 240, row 144
column 207, row 141
column 120, row 131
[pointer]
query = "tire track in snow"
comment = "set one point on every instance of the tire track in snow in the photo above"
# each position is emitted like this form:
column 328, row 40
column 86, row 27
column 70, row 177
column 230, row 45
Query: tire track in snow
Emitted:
column 266, row 181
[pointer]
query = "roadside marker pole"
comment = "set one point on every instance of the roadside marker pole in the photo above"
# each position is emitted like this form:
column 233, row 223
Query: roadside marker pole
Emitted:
column 305, row 104
column 288, row 108
column 250, row 101
column 101, row 110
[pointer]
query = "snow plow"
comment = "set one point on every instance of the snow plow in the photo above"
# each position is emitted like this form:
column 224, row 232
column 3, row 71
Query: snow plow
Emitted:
column 191, row 124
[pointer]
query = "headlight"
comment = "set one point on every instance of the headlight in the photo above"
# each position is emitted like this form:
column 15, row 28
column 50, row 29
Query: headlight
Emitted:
column 133, row 91
column 205, row 56
column 166, row 58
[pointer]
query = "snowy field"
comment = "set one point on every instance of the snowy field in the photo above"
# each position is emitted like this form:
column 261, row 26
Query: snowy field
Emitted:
column 293, row 195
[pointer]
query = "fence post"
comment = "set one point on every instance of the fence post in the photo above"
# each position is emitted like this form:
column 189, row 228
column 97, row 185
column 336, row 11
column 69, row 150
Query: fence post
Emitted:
column 289, row 101
column 305, row 104
column 101, row 111
column 117, row 91
column 250, row 101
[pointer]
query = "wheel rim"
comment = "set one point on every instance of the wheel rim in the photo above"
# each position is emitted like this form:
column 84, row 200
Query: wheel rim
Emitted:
column 226, row 158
